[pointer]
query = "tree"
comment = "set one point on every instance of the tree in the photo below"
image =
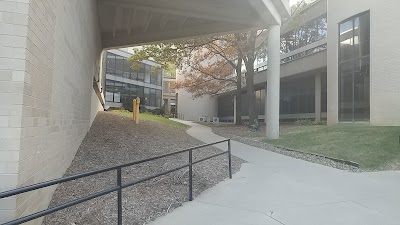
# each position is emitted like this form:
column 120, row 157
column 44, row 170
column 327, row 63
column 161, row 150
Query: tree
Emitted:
column 253, row 45
column 211, row 61
column 210, row 65
column 247, row 43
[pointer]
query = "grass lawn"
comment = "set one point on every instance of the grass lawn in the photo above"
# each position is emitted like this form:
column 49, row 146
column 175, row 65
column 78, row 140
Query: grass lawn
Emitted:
column 376, row 148
column 146, row 116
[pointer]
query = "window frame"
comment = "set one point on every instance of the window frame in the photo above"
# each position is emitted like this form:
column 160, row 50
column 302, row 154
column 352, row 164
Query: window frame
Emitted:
column 353, row 60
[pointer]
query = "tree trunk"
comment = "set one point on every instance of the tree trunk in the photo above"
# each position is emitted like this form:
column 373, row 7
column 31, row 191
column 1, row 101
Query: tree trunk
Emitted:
column 239, row 91
column 248, row 50
column 251, row 97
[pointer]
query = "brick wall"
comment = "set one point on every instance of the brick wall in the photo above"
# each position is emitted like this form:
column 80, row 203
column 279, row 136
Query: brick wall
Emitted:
column 48, row 58
column 13, row 32
column 384, row 57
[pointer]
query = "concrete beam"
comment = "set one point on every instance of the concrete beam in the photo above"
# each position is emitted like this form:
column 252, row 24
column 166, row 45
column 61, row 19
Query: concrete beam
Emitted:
column 195, row 9
column 122, row 39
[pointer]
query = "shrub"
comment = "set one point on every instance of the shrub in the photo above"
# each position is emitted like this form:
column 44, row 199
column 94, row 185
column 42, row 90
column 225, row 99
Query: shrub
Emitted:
column 143, row 109
column 308, row 122
column 158, row 112
column 128, row 105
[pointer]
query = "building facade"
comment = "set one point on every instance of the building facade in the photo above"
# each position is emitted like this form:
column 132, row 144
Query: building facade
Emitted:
column 124, row 83
column 363, row 63
column 338, row 63
column 169, row 94
column 303, row 73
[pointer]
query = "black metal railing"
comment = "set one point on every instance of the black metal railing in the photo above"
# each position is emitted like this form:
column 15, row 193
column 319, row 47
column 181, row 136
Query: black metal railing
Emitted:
column 119, row 186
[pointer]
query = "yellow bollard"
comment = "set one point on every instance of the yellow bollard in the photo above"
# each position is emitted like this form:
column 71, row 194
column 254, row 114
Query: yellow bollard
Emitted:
column 133, row 109
column 137, row 110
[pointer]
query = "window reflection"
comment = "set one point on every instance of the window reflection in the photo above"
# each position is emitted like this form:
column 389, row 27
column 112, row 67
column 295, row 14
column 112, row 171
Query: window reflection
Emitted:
column 354, row 81
column 121, row 92
column 304, row 35
column 297, row 96
column 121, row 67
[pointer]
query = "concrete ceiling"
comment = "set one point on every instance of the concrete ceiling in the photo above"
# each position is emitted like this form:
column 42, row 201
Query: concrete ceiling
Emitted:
column 135, row 22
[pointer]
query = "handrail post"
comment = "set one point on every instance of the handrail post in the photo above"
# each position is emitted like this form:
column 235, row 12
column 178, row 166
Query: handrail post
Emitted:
column 230, row 158
column 119, row 183
column 190, row 176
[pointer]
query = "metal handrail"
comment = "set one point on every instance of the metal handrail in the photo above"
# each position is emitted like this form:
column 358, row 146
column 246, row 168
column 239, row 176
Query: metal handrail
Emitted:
column 119, row 186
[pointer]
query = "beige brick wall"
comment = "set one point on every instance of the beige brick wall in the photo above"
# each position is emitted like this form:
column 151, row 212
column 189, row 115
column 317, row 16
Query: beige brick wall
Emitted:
column 384, row 59
column 49, row 54
column 13, row 32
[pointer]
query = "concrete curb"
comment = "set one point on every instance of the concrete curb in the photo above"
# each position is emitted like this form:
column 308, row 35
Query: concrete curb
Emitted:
column 350, row 163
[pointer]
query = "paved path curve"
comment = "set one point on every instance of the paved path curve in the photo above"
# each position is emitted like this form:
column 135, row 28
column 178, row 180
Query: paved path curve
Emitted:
column 273, row 189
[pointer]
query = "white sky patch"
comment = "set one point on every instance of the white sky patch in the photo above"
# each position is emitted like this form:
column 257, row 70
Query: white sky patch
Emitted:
column 292, row 2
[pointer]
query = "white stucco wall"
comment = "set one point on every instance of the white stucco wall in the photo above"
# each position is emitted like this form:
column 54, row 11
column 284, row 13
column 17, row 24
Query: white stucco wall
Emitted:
column 193, row 108
column 384, row 57
column 49, row 54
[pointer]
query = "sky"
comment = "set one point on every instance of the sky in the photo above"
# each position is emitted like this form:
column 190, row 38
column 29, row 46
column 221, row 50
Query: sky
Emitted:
column 292, row 2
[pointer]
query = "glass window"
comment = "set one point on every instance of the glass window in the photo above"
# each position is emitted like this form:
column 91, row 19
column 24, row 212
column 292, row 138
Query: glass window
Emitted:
column 110, row 63
column 127, row 69
column 312, row 32
column 322, row 27
column 147, row 68
column 302, row 35
column 297, row 96
column 354, row 81
column 283, row 45
column 133, row 90
column 140, row 94
column 346, row 41
column 153, row 97
column 146, row 96
column 125, row 95
column 361, row 89
column 133, row 73
column 158, row 98
column 346, row 91
column 147, row 77
column 308, row 33
column 159, row 77
column 109, row 96
column 119, row 65
column 109, row 91
column 140, row 76
column 153, row 77
column 118, row 89
column 361, row 35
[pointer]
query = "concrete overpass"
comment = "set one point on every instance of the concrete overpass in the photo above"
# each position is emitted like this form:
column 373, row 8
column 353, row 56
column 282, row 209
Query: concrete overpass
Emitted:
column 133, row 22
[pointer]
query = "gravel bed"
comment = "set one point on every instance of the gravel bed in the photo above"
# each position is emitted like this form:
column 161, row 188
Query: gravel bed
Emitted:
column 244, row 135
column 114, row 140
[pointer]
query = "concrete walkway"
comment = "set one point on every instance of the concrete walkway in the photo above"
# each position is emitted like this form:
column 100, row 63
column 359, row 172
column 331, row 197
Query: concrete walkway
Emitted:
column 273, row 189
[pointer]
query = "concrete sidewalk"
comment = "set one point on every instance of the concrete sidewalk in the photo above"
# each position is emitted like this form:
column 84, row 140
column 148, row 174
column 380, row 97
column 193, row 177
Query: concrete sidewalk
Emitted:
column 274, row 189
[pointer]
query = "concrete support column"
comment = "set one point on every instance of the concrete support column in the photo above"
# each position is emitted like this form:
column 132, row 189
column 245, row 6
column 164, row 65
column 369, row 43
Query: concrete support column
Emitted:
column 317, row 84
column 234, row 109
column 273, row 82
